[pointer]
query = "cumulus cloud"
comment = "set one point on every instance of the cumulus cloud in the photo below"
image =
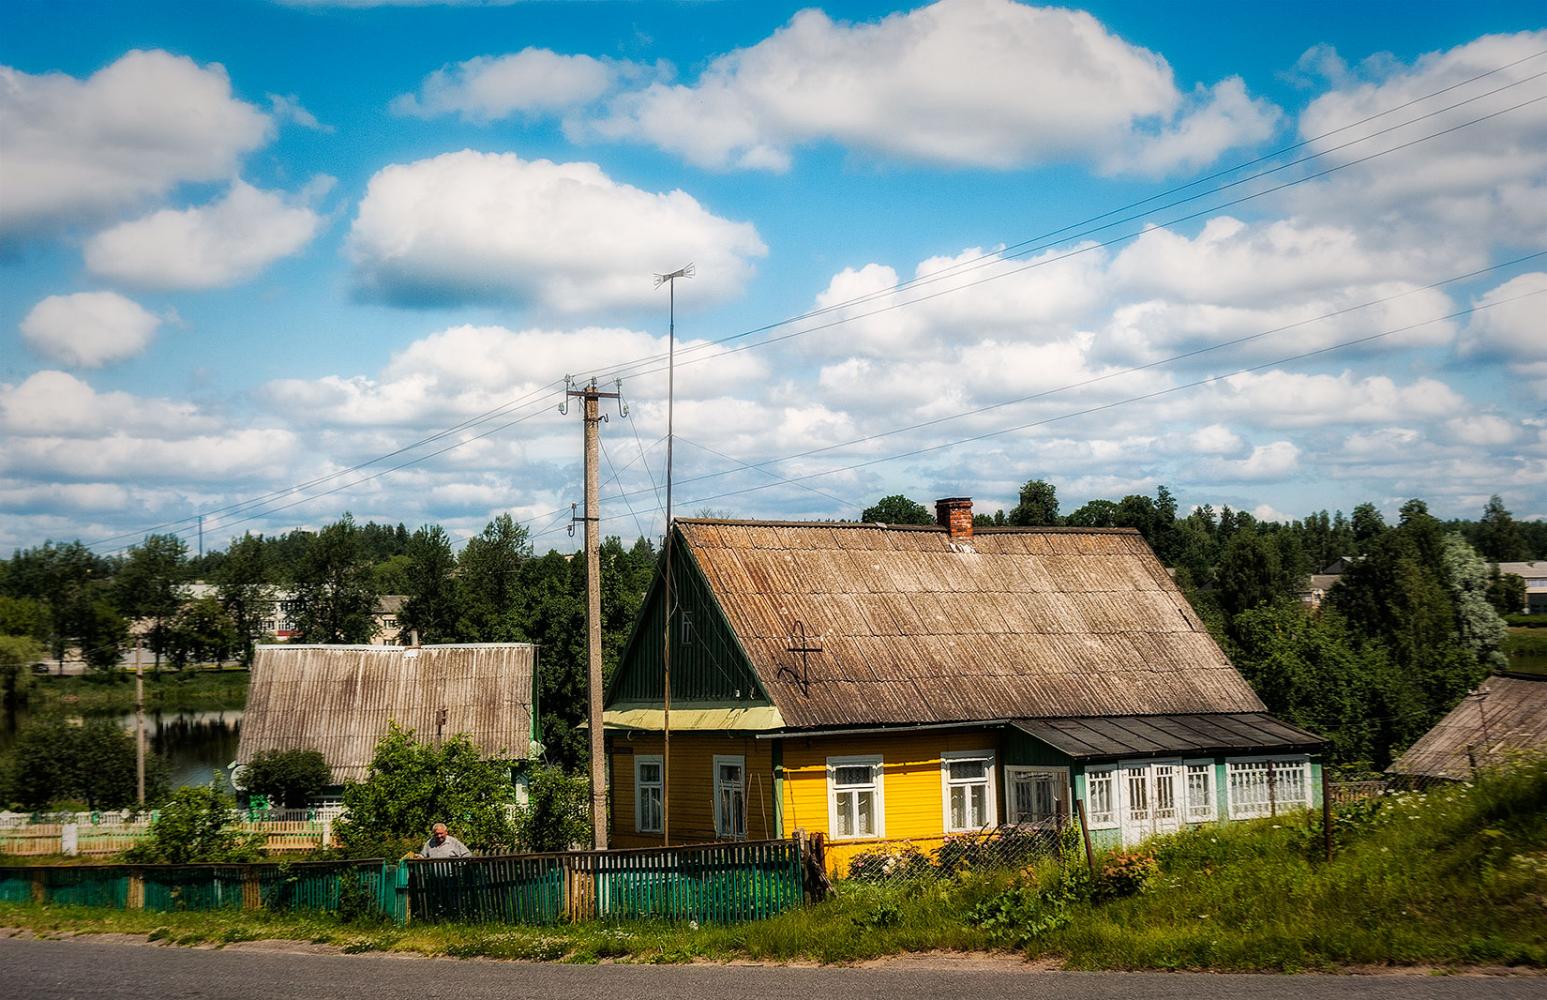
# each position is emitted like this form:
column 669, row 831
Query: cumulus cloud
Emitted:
column 89, row 329
column 58, row 403
column 1488, row 178
column 492, row 227
column 530, row 82
column 207, row 246
column 1510, row 325
column 989, row 83
column 75, row 149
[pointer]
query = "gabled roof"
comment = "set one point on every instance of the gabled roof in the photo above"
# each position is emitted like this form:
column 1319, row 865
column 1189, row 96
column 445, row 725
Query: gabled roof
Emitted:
column 915, row 627
column 341, row 700
column 1510, row 716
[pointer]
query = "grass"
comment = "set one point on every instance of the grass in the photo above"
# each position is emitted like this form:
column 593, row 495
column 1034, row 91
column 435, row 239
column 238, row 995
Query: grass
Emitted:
column 194, row 688
column 1454, row 878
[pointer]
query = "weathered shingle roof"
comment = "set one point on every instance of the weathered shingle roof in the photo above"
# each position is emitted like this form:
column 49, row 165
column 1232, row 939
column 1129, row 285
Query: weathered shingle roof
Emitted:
column 917, row 628
column 340, row 700
column 1512, row 717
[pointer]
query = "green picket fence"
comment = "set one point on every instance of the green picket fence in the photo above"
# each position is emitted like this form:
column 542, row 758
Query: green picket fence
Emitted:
column 714, row 883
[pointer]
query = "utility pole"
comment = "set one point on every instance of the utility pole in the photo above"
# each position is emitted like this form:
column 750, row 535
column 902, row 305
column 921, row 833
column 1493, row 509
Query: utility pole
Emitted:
column 670, row 280
column 593, row 577
column 139, row 723
column 201, row 536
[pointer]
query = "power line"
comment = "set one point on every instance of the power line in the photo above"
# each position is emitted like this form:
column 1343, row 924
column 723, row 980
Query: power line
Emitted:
column 792, row 480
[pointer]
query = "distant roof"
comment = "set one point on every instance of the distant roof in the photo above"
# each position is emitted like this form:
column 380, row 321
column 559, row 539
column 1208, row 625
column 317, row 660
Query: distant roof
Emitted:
column 1511, row 717
column 340, row 700
column 1151, row 735
column 916, row 628
column 1538, row 568
column 390, row 604
column 1322, row 581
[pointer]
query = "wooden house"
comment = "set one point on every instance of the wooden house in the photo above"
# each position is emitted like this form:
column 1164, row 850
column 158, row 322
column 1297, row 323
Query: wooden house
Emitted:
column 1506, row 715
column 341, row 700
column 878, row 682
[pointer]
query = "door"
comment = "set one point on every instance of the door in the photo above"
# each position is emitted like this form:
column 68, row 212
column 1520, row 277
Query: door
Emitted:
column 1151, row 799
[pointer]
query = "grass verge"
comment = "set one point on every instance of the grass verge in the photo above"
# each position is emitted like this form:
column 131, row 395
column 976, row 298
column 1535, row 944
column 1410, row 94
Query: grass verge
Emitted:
column 172, row 691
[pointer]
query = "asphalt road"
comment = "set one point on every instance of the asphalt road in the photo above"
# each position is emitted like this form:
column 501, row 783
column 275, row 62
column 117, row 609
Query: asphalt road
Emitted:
column 90, row 969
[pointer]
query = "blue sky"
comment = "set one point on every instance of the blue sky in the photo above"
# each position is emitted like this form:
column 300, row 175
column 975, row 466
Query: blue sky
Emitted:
column 258, row 245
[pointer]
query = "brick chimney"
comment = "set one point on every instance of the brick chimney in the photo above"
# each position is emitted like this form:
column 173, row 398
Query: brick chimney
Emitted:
column 954, row 514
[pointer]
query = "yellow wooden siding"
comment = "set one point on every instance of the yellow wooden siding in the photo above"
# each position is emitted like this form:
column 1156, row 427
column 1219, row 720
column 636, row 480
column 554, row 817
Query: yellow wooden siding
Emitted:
column 691, row 780
column 911, row 789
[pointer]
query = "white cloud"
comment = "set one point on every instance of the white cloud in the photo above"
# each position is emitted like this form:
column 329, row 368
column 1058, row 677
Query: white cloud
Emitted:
column 530, row 82
column 1513, row 330
column 1216, row 439
column 57, row 403
column 1277, row 398
column 288, row 107
column 1483, row 181
column 470, row 226
column 988, row 83
column 75, row 149
column 89, row 329
column 207, row 246
column 1483, row 430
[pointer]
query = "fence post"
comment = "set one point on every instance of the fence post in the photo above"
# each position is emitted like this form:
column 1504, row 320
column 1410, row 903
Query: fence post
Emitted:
column 1090, row 854
column 1272, row 790
column 69, row 839
column 136, row 895
column 252, row 892
column 1326, row 810
column 39, row 886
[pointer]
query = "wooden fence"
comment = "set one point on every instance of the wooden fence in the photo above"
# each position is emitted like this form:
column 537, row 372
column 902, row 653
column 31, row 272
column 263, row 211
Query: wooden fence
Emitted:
column 1345, row 792
column 712, row 883
column 108, row 834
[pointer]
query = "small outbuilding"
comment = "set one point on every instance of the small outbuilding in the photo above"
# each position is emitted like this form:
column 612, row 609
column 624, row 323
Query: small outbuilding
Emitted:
column 341, row 700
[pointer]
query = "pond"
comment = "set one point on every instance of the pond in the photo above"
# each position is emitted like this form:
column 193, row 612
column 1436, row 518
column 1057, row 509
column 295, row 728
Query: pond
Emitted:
column 194, row 742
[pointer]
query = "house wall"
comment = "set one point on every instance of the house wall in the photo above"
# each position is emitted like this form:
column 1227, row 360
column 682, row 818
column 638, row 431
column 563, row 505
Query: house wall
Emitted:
column 690, row 785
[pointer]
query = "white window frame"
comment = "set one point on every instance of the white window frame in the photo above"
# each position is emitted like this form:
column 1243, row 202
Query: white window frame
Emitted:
column 990, row 791
column 1114, row 774
column 639, row 786
column 740, row 761
column 878, row 777
column 1064, row 791
column 1212, row 790
column 1281, row 806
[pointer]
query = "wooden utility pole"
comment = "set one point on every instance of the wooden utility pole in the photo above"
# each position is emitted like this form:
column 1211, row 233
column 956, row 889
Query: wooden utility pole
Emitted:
column 139, row 724
column 593, row 576
column 670, row 280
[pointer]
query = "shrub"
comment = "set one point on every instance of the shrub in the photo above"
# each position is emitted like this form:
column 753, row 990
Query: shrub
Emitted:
column 1124, row 874
column 198, row 824
column 291, row 778
column 557, row 814
column 889, row 863
column 53, row 762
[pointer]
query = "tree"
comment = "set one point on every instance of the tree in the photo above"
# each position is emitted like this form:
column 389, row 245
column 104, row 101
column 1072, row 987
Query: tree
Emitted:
column 25, row 616
column 198, row 825
column 1506, row 592
column 1482, row 630
column 202, row 632
column 292, row 778
column 1094, row 514
column 244, row 585
column 1368, row 524
column 556, row 817
column 102, row 632
column 412, row 785
column 335, row 601
column 1498, row 536
column 148, row 584
column 1038, row 505
column 897, row 509
column 490, row 574
column 1248, row 574
column 432, row 602
column 53, row 762
column 17, row 655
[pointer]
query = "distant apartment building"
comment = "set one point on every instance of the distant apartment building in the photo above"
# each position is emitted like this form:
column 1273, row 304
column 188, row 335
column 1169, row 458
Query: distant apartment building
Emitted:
column 1535, row 576
column 280, row 622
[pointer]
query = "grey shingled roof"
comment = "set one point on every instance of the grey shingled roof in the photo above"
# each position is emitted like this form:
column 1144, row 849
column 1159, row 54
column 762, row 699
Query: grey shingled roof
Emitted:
column 1154, row 735
column 1512, row 717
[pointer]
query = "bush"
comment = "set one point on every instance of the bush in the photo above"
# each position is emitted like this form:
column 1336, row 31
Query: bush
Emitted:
column 291, row 778
column 53, row 763
column 1124, row 874
column 413, row 785
column 198, row 824
column 557, row 816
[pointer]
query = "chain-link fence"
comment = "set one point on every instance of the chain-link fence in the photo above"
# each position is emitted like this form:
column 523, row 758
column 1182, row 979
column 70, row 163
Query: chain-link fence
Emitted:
column 1001, row 849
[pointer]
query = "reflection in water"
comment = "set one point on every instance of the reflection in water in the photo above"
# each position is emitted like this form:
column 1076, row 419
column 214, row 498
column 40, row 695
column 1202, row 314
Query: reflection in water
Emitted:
column 194, row 744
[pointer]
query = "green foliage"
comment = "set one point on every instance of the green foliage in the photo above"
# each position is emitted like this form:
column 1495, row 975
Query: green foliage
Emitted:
column 17, row 655
column 1038, row 505
column 557, row 814
column 244, row 584
column 1481, row 628
column 1499, row 537
column 413, row 785
column 198, row 824
column 490, row 571
column 897, row 509
column 334, row 594
column 291, row 778
column 27, row 616
column 202, row 632
column 430, row 586
column 103, row 635
column 1506, row 593
column 53, row 763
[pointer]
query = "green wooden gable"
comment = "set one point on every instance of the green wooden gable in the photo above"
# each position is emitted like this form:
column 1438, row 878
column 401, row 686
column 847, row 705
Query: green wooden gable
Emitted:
column 707, row 661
